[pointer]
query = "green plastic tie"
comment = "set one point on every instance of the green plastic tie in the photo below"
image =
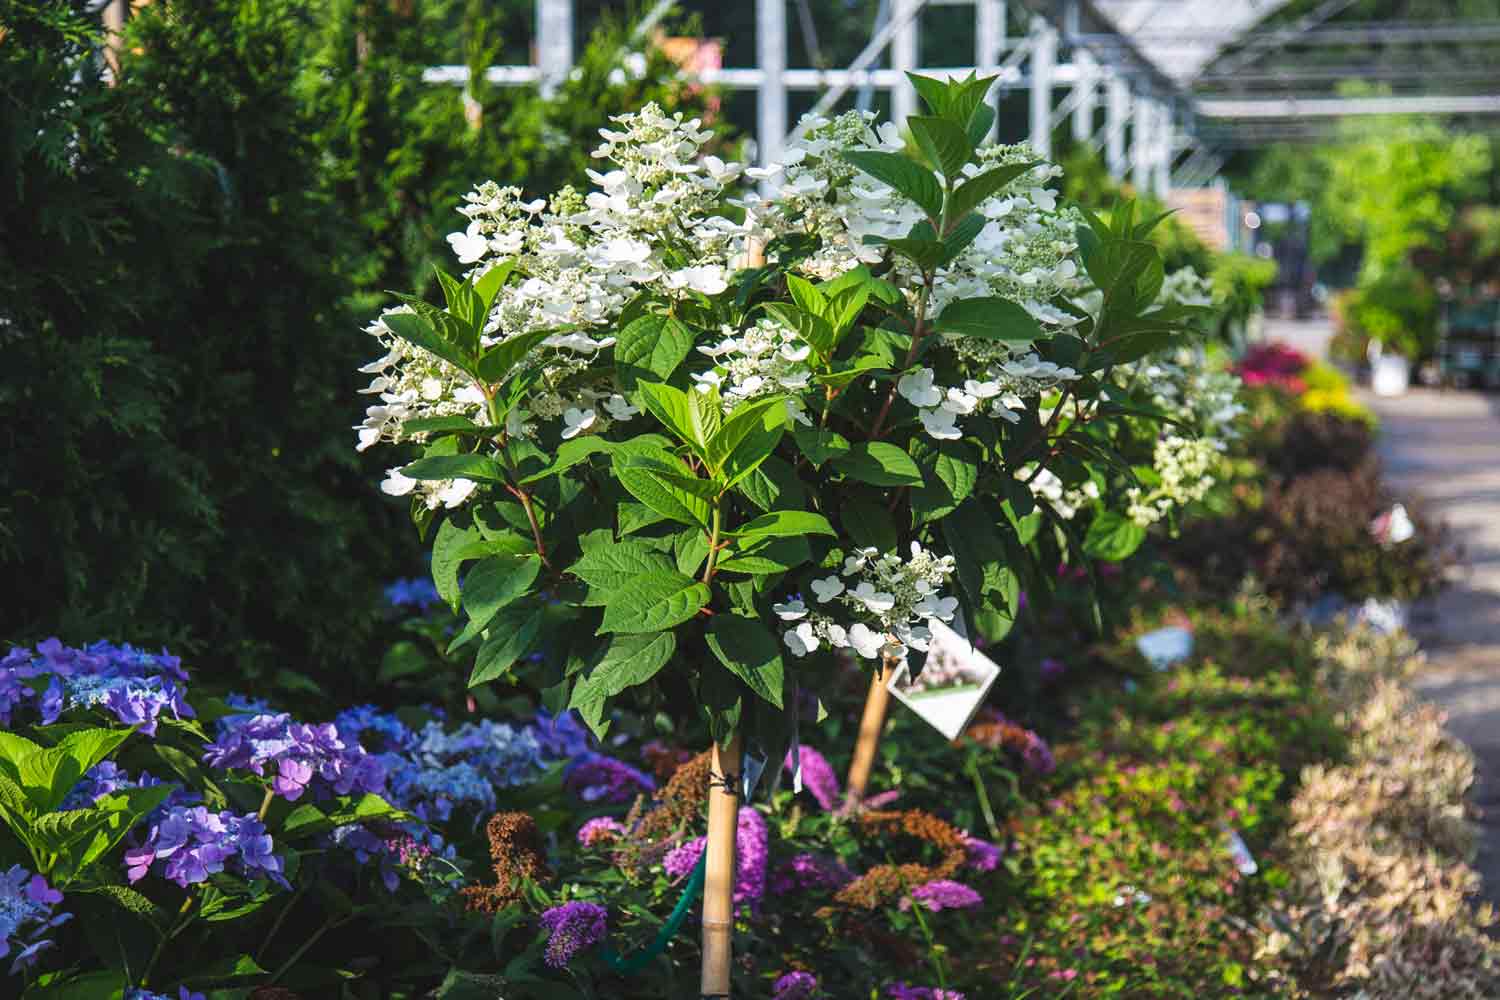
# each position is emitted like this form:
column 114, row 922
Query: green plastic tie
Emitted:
column 638, row 961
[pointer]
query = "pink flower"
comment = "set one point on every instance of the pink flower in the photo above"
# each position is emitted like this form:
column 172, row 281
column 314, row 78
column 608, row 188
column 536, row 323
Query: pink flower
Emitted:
column 944, row 894
column 817, row 777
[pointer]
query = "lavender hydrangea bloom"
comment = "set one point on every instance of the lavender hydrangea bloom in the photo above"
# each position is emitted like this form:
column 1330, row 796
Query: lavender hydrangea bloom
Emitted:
column 943, row 894
column 26, row 902
column 797, row 985
column 183, row 993
column 573, row 927
column 301, row 753
column 189, row 843
column 817, row 777
column 562, row 736
column 597, row 778
column 418, row 592
column 133, row 685
column 442, row 771
column 375, row 730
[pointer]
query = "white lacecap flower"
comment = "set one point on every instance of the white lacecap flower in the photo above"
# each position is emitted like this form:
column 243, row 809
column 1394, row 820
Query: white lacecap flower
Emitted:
column 866, row 641
column 396, row 484
column 790, row 611
column 917, row 389
column 875, row 600
column 940, row 424
column 827, row 589
column 471, row 244
column 576, row 421
column 619, row 408
column 801, row 640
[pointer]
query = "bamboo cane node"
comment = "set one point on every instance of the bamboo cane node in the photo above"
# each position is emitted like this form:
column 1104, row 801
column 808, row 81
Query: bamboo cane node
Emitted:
column 717, row 924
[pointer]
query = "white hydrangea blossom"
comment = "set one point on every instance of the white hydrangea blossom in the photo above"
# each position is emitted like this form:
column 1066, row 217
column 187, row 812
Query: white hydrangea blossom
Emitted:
column 878, row 605
column 1185, row 468
column 768, row 357
column 581, row 259
column 1186, row 287
column 1189, row 390
column 1001, row 390
column 1066, row 501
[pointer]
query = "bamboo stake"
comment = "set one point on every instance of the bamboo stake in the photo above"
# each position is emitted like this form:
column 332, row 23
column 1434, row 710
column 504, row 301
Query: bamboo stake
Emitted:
column 718, row 880
column 870, row 726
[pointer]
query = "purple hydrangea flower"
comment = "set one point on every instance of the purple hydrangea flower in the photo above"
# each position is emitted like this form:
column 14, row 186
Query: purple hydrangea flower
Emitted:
column 751, row 844
column 573, row 927
column 810, row 871
column 190, row 843
column 183, row 993
column 943, row 894
column 982, row 854
column 27, row 905
column 300, row 753
column 603, row 828
column 133, row 685
column 417, row 592
column 817, row 777
column 376, row 730
column 796, row 985
column 597, row 778
column 562, row 736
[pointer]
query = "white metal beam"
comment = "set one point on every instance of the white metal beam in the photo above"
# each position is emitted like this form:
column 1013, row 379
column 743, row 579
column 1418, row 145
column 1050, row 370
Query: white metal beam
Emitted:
column 1043, row 64
column 554, row 42
column 1141, row 143
column 989, row 37
column 770, row 53
column 904, row 57
column 1333, row 107
column 1086, row 92
column 1116, row 115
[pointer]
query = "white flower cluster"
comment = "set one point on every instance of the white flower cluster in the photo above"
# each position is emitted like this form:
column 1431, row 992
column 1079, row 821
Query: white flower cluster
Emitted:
column 1189, row 390
column 1000, row 391
column 768, row 357
column 581, row 259
column 1184, row 467
column 1066, row 501
column 886, row 600
column 1186, row 287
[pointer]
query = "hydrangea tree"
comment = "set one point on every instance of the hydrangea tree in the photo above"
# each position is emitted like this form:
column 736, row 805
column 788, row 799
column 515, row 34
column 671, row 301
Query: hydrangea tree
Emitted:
column 703, row 444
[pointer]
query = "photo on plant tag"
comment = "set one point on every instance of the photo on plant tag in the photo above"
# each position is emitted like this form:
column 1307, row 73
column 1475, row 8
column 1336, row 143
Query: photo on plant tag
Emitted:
column 952, row 684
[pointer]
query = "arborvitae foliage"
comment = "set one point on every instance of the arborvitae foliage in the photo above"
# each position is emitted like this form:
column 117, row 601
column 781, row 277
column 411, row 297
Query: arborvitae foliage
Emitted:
column 171, row 274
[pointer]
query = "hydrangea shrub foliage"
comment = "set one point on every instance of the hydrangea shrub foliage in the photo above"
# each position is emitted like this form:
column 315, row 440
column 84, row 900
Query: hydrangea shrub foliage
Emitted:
column 677, row 420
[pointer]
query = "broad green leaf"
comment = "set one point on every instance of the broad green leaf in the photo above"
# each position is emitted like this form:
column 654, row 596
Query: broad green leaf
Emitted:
column 511, row 638
column 944, row 143
column 750, row 652
column 963, row 233
column 925, row 253
column 868, row 524
column 679, row 412
column 746, row 439
column 419, row 332
column 820, row 445
column 1113, row 537
column 935, row 93
column 628, row 660
column 980, row 123
column 951, row 469
column 610, row 567
column 131, row 901
column 651, row 344
column 231, row 967
column 489, row 284
column 775, row 555
column 784, row 523
column 842, row 374
column 989, row 318
column 661, row 483
column 815, row 330
column 464, row 305
column 632, row 517
column 690, row 549
column 15, row 748
column 479, row 468
column 879, row 463
column 48, row 775
column 499, row 361
column 845, row 308
column 774, row 485
column 806, row 295
column 437, row 426
column 495, row 583
column 977, row 190
column 907, row 176
column 569, row 454
column 85, row 986
column 652, row 602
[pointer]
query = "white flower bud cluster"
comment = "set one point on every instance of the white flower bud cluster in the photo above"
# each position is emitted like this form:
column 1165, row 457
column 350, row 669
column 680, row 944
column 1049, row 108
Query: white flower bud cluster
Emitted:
column 410, row 384
column 1185, row 467
column 1000, row 391
column 1191, row 392
column 767, row 357
column 1066, row 501
column 885, row 600
column 1186, row 287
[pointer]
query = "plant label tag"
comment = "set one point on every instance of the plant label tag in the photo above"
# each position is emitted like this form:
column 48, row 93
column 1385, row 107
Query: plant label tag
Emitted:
column 1166, row 646
column 952, row 685
column 752, row 765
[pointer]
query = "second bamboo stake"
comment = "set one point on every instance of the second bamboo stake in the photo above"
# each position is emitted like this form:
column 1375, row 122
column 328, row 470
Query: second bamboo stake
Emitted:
column 718, row 876
column 870, row 725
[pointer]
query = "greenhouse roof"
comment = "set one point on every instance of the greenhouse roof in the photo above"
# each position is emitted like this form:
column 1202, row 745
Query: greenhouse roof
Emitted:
column 1181, row 37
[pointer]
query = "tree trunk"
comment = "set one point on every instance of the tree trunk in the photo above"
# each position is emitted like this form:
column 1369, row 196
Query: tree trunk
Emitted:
column 718, row 882
column 870, row 726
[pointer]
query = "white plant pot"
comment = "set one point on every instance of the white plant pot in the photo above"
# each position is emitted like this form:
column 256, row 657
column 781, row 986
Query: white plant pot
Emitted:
column 1390, row 375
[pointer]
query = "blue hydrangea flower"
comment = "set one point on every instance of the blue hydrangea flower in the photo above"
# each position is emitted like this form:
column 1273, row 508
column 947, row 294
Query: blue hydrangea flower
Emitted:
column 27, row 912
column 303, row 756
column 417, row 592
column 133, row 685
column 190, row 843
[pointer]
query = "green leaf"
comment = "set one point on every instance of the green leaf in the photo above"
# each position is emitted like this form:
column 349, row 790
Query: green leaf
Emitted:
column 495, row 583
column 776, row 555
column 610, row 567
column 820, row 445
column 879, row 463
column 774, row 485
column 977, row 190
column 132, row 902
column 750, row 652
column 48, row 775
column 980, row 123
column 951, row 470
column 489, row 284
column 438, row 426
column 944, row 143
column 87, row 986
column 419, row 332
column 925, row 253
column 663, row 484
column 628, row 660
column 569, row 454
column 1113, row 537
column 479, row 468
column 963, row 233
column 935, row 93
column 511, row 638
column 680, row 413
column 989, row 318
column 465, row 305
column 844, row 309
column 815, row 330
column 747, row 439
column 651, row 344
column 806, row 295
column 690, row 549
column 784, row 523
column 215, row 972
column 868, row 524
column 652, row 602
column 842, row 374
column 499, row 361
column 906, row 176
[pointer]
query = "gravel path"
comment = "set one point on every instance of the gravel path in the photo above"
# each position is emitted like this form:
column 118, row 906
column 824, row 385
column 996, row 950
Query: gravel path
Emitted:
column 1444, row 447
